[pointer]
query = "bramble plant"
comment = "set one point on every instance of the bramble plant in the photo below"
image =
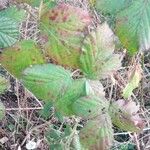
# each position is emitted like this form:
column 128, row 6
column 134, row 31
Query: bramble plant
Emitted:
column 69, row 44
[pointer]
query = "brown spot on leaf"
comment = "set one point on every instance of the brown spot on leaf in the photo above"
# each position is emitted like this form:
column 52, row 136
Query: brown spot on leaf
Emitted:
column 33, row 59
column 65, row 18
column 52, row 18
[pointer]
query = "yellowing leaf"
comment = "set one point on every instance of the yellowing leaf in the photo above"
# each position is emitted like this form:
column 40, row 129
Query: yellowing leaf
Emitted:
column 22, row 55
column 92, row 2
column 133, row 82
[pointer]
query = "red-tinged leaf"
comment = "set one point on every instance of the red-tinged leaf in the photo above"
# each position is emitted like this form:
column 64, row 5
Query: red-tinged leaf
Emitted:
column 124, row 115
column 65, row 18
column 97, row 58
column 65, row 26
column 97, row 134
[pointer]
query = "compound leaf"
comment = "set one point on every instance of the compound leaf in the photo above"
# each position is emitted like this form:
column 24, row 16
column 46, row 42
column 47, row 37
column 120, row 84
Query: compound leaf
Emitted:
column 10, row 19
column 133, row 26
column 97, row 133
column 47, row 81
column 20, row 56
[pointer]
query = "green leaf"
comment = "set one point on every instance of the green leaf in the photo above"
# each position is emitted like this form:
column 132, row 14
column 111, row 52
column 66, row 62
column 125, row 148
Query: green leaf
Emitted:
column 67, row 130
column 64, row 27
column 59, row 116
column 46, row 112
column 47, row 81
column 133, row 26
column 20, row 56
column 90, row 107
column 2, row 110
column 10, row 19
column 3, row 84
column 76, row 90
column 62, row 54
column 97, row 133
column 53, row 134
column 111, row 6
column 13, row 13
column 97, row 58
column 124, row 115
column 133, row 82
column 56, row 147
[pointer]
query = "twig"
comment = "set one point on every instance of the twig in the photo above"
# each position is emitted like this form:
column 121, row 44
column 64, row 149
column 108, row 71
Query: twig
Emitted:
column 127, row 133
column 28, row 108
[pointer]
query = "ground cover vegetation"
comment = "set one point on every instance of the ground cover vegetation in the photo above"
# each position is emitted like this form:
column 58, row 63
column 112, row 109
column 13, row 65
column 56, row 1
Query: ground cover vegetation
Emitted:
column 75, row 74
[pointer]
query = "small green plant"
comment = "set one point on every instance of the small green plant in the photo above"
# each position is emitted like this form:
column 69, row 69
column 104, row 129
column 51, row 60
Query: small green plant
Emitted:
column 69, row 45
